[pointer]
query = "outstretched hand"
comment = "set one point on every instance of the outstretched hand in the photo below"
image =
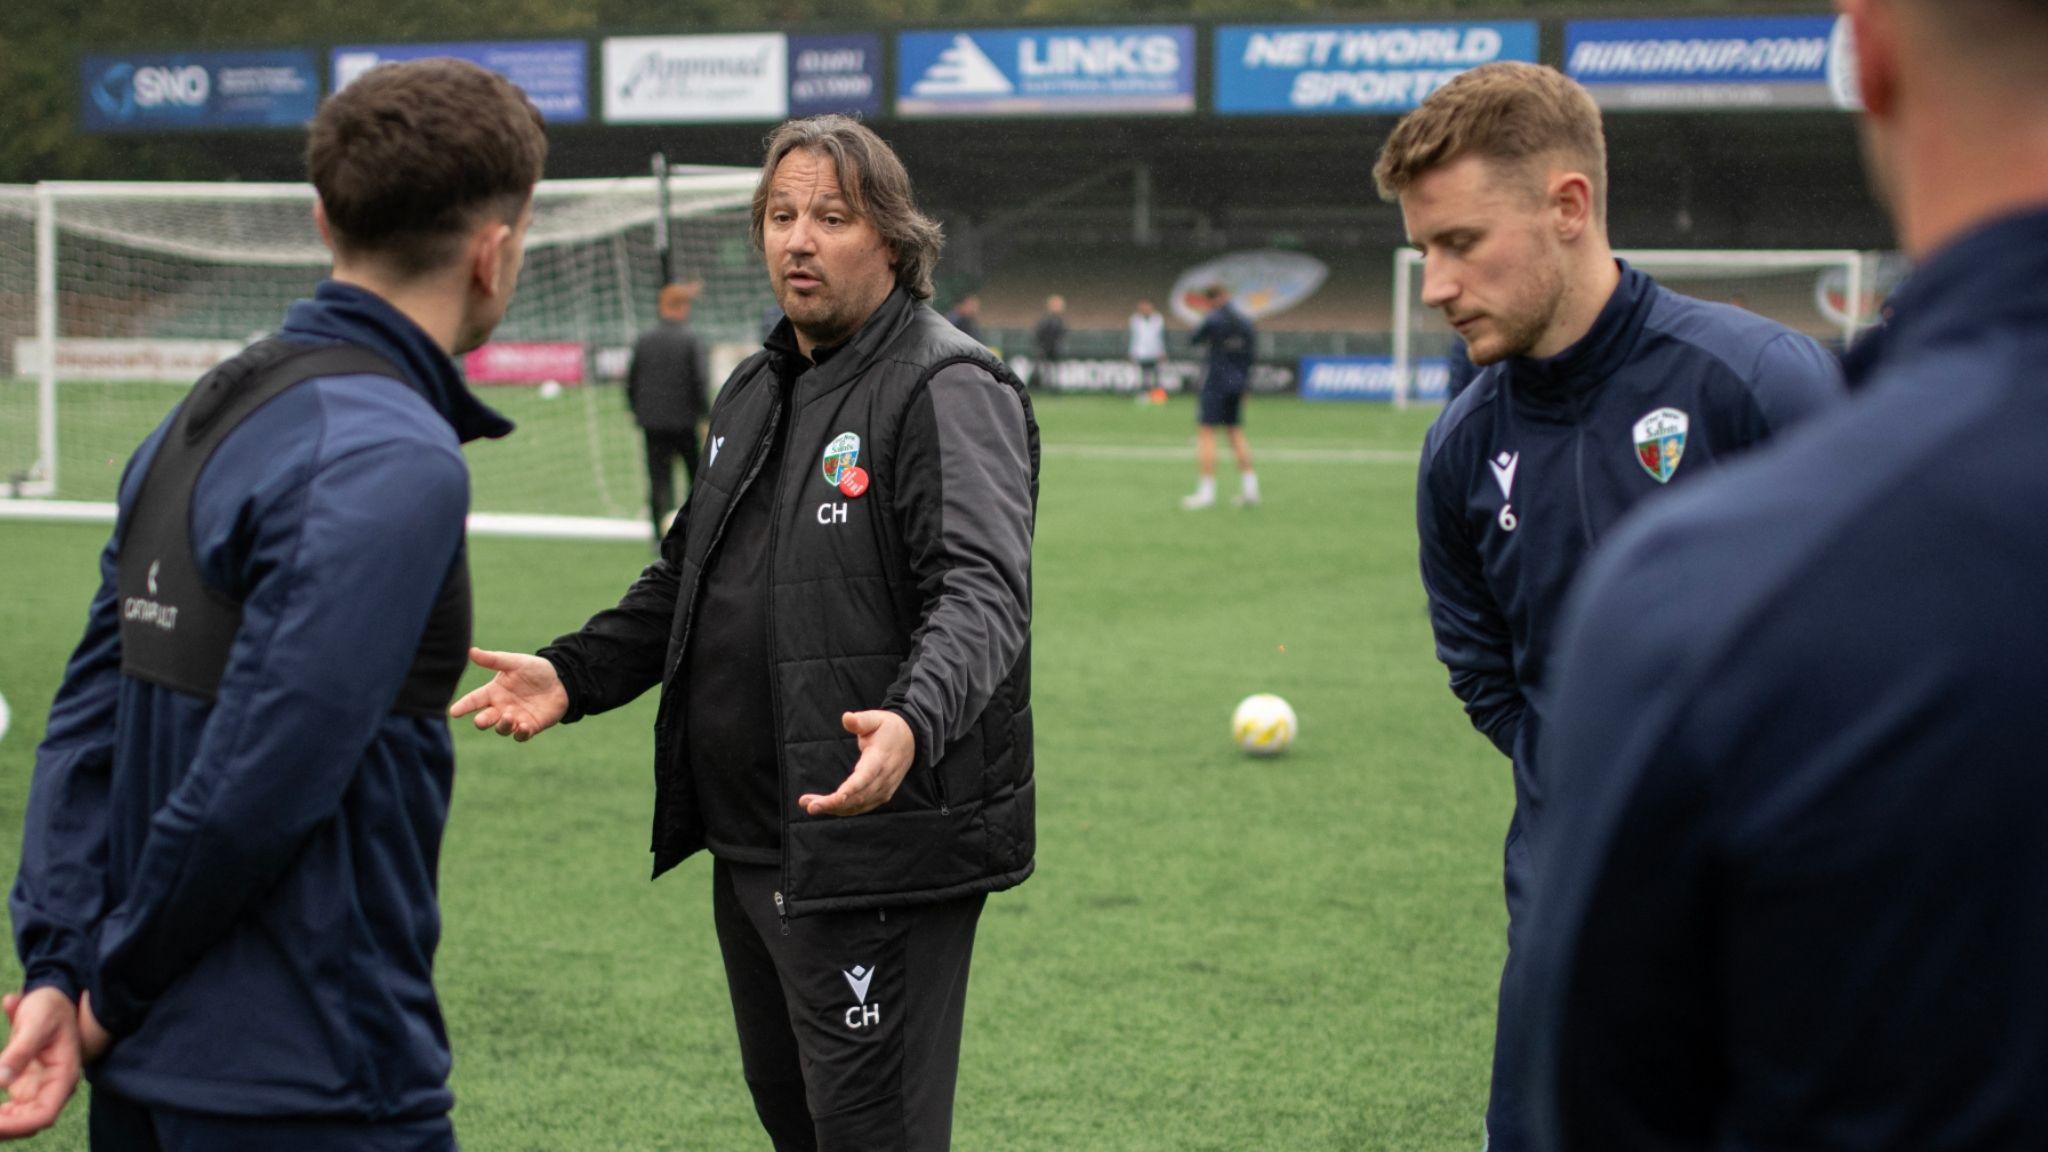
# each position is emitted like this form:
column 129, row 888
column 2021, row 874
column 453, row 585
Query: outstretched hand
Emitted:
column 41, row 1063
column 887, row 747
column 523, row 700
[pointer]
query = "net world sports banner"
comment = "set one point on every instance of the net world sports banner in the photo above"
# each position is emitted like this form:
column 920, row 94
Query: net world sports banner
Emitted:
column 835, row 74
column 1368, row 378
column 1324, row 69
column 1046, row 71
column 198, row 91
column 552, row 73
column 1715, row 62
column 696, row 79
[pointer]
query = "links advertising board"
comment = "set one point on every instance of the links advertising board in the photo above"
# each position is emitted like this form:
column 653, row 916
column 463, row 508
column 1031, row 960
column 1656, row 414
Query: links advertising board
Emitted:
column 1046, row 71
column 198, row 91
column 552, row 73
column 1715, row 62
column 1324, row 69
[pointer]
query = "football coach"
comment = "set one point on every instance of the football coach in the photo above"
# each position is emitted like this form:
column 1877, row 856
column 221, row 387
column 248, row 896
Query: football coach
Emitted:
column 839, row 621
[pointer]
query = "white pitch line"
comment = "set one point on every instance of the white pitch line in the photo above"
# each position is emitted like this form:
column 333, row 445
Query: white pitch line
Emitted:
column 1187, row 452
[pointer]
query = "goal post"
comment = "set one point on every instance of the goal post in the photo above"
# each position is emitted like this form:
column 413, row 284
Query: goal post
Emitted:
column 115, row 297
column 1829, row 294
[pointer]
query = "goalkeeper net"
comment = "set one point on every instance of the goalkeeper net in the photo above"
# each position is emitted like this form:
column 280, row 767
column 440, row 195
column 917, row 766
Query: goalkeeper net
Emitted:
column 1827, row 294
column 140, row 288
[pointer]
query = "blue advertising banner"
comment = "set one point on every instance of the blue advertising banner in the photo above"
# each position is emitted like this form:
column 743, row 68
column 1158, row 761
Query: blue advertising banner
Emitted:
column 1046, row 71
column 200, row 91
column 552, row 73
column 1715, row 62
column 835, row 74
column 1319, row 69
column 1368, row 378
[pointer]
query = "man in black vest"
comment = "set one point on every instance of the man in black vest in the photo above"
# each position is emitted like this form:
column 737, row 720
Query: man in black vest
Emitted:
column 226, row 902
column 840, row 623
column 665, row 385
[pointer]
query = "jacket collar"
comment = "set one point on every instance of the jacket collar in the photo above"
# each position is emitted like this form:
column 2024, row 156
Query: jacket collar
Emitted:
column 348, row 314
column 1998, row 270
column 1594, row 357
column 847, row 360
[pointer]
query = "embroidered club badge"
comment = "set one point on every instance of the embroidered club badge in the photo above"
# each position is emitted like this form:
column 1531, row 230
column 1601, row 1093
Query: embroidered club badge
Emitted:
column 1660, row 442
column 841, row 454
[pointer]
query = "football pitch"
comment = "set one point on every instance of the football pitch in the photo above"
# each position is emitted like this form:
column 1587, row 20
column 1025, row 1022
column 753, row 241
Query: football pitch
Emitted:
column 1216, row 953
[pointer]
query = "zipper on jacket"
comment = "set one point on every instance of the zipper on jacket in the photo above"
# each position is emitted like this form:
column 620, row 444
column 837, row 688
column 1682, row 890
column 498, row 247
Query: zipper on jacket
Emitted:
column 1579, row 467
column 782, row 428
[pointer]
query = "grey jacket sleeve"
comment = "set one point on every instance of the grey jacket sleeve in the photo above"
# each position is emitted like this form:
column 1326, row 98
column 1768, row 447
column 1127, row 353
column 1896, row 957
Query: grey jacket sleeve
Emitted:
column 966, row 505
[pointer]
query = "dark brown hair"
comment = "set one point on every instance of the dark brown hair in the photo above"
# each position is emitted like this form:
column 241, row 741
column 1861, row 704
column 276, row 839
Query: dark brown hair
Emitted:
column 411, row 155
column 875, row 185
column 1508, row 112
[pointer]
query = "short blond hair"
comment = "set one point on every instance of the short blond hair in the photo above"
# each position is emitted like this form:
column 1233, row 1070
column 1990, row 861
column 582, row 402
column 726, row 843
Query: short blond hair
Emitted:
column 1507, row 112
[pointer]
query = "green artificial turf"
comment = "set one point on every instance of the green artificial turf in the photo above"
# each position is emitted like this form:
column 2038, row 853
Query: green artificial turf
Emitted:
column 1216, row 952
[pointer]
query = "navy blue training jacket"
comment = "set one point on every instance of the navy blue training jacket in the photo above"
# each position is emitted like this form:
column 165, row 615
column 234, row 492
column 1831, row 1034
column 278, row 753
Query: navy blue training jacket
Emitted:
column 1800, row 768
column 1233, row 346
column 1533, row 463
column 247, row 885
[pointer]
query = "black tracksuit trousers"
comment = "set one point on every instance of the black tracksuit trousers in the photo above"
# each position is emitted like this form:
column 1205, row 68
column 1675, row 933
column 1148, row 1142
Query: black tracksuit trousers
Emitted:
column 849, row 1022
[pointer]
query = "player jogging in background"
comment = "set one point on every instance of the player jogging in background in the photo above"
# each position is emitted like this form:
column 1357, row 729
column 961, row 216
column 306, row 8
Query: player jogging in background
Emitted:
column 1232, row 344
column 226, row 905
column 1597, row 390
column 1799, row 891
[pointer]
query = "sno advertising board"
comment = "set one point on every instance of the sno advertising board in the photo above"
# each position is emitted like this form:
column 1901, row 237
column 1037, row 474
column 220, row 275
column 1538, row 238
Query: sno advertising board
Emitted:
column 552, row 73
column 1046, row 71
column 1368, row 378
column 199, row 91
column 1715, row 62
column 1327, row 69
column 696, row 79
column 835, row 74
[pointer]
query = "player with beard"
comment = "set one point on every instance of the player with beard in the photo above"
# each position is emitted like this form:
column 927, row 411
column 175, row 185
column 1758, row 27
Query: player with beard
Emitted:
column 840, row 625
column 1597, row 390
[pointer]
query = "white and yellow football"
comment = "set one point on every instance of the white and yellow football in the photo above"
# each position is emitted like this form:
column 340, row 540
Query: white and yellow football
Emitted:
column 1263, row 725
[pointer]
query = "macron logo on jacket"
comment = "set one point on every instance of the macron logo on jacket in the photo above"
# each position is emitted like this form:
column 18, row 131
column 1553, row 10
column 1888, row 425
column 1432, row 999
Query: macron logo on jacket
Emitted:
column 1503, row 467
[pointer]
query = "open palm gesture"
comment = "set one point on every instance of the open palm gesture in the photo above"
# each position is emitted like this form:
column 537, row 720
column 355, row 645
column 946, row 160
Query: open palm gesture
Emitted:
column 523, row 700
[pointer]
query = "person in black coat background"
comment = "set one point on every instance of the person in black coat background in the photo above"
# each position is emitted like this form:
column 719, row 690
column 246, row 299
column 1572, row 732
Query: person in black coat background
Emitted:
column 665, row 385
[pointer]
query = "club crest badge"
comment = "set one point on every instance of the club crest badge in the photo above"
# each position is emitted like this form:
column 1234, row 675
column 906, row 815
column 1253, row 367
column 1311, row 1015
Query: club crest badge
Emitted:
column 840, row 455
column 1660, row 442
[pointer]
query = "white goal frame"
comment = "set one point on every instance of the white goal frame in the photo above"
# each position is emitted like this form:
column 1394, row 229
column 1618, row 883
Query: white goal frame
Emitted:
column 708, row 188
column 1407, row 262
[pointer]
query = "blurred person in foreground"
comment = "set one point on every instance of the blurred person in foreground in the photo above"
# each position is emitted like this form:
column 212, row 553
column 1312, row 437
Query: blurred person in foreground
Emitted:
column 1232, row 344
column 227, row 902
column 1598, row 390
column 666, row 387
column 1798, row 897
column 840, row 625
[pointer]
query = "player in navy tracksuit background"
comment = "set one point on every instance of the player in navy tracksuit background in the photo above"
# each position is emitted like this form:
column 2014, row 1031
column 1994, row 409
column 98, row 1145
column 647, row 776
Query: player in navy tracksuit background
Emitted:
column 1795, row 886
column 226, row 905
column 1597, row 390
